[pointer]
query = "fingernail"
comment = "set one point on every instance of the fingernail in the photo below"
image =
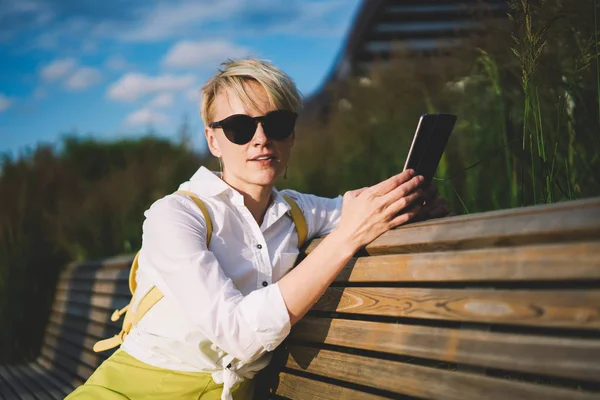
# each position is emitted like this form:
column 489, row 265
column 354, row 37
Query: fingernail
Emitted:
column 411, row 172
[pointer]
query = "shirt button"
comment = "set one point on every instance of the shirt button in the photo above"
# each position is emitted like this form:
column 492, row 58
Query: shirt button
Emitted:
column 265, row 283
column 259, row 246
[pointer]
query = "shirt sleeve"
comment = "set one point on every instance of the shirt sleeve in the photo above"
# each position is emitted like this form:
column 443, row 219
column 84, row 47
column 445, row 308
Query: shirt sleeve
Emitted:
column 174, row 248
column 322, row 214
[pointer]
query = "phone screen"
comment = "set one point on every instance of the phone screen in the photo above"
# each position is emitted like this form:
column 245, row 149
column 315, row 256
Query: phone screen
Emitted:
column 429, row 142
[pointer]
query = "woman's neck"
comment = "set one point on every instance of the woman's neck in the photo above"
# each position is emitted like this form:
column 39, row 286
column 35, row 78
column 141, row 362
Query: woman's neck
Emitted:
column 257, row 198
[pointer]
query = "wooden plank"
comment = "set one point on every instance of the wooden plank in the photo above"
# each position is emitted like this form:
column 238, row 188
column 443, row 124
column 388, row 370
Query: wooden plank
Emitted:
column 103, row 274
column 7, row 390
column 299, row 388
column 96, row 300
column 101, row 289
column 116, row 262
column 561, row 222
column 81, row 355
column 98, row 286
column 61, row 388
column 554, row 262
column 16, row 383
column 553, row 356
column 77, row 339
column 100, row 316
column 74, row 338
column 549, row 308
column 56, row 371
column 71, row 371
column 419, row 381
column 88, row 328
column 33, row 382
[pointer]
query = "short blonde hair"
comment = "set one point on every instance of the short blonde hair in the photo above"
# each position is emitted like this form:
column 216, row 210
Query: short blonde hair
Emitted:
column 233, row 76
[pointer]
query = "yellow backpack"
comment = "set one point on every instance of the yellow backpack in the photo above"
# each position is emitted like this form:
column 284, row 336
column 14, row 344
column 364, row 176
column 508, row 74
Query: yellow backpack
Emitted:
column 154, row 294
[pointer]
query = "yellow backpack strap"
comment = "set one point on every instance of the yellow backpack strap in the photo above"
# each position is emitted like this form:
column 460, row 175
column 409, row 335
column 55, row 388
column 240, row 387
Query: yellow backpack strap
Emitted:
column 152, row 297
column 298, row 219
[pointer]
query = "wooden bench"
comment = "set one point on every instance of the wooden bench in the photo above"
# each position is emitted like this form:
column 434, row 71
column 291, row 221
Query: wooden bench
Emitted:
column 86, row 296
column 496, row 305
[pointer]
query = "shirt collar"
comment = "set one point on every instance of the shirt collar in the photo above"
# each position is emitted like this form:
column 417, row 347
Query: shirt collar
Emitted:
column 208, row 183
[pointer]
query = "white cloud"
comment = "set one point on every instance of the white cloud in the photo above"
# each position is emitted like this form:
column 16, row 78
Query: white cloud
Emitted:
column 187, row 54
column 184, row 18
column 171, row 19
column 83, row 78
column 5, row 102
column 117, row 63
column 58, row 69
column 145, row 117
column 162, row 100
column 133, row 86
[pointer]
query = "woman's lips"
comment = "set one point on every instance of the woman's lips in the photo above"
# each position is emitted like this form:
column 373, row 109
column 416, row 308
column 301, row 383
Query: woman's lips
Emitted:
column 265, row 162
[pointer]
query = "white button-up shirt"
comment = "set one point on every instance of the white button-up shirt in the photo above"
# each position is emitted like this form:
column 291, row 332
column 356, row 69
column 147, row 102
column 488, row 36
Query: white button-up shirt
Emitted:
column 222, row 311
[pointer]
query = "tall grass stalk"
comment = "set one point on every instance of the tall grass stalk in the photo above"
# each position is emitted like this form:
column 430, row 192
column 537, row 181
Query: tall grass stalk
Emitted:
column 491, row 68
column 528, row 51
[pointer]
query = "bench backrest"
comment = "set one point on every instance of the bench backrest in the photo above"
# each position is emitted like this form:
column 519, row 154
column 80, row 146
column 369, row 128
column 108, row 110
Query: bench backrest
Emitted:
column 496, row 305
column 86, row 296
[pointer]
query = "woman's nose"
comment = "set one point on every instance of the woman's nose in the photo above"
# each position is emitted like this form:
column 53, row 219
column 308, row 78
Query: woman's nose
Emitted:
column 259, row 135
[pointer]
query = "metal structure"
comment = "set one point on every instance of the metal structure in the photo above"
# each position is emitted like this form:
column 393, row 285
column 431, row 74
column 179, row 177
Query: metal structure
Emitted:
column 384, row 29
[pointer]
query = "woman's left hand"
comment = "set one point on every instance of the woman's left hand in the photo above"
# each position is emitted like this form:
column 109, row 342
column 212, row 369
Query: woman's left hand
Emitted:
column 435, row 206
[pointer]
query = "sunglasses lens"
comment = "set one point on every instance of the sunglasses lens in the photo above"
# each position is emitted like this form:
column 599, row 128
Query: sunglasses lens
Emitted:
column 279, row 124
column 239, row 129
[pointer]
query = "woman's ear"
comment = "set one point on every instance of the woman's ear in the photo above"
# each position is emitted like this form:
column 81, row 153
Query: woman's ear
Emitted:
column 213, row 144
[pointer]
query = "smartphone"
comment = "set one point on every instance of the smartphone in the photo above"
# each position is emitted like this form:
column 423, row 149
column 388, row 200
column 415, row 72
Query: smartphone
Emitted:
column 429, row 142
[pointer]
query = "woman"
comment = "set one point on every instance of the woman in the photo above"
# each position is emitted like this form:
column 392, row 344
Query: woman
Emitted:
column 226, row 306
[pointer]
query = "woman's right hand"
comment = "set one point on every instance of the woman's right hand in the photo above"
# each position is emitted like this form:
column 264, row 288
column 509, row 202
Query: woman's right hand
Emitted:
column 369, row 212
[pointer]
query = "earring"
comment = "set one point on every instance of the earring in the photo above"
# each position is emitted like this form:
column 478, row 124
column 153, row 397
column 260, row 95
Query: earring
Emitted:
column 285, row 173
column 221, row 167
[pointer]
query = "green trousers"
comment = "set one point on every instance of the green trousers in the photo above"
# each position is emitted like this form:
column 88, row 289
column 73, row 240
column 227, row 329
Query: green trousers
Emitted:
column 122, row 377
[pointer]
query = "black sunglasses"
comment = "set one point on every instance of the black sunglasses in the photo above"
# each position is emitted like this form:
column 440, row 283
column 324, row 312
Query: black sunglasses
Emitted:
column 240, row 128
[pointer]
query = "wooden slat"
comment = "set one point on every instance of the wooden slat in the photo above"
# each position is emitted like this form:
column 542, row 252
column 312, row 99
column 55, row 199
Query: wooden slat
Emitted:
column 561, row 222
column 99, row 286
column 96, row 300
column 62, row 389
column 101, row 316
column 117, row 262
column 78, row 340
column 73, row 338
column 298, row 388
column 88, row 328
column 560, row 357
column 548, row 308
column 60, row 374
column 68, row 369
column 419, row 381
column 82, row 355
column 6, row 388
column 36, row 386
column 103, row 274
column 555, row 262
column 16, row 383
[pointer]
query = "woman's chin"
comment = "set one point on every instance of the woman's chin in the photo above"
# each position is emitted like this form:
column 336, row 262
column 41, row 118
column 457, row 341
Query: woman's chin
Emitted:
column 265, row 177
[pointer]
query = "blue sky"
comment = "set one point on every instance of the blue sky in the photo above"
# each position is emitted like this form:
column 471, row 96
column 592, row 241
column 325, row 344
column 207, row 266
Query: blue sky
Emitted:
column 118, row 68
